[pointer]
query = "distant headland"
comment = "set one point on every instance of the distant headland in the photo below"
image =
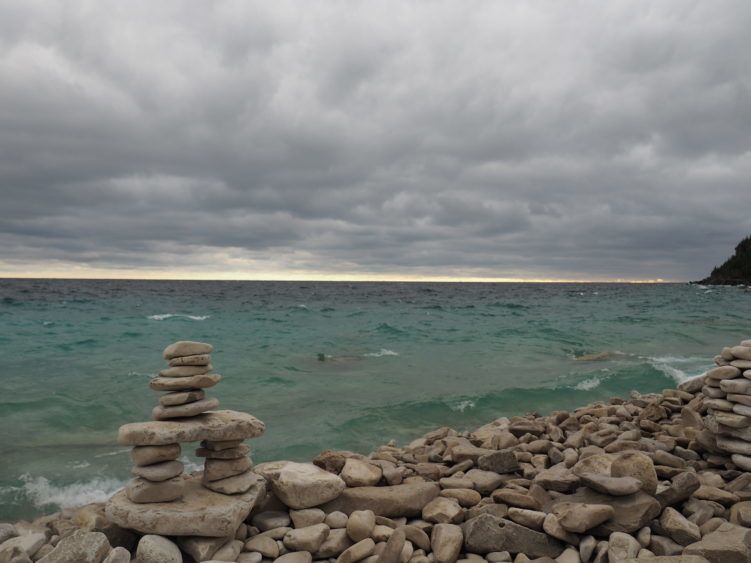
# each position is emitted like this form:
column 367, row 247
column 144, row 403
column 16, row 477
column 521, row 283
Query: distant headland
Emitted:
column 736, row 270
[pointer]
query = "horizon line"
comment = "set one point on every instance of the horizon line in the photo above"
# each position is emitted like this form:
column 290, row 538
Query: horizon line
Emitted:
column 347, row 279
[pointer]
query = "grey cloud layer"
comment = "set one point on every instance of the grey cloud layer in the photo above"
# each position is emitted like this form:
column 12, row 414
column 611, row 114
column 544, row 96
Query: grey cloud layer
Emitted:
column 508, row 139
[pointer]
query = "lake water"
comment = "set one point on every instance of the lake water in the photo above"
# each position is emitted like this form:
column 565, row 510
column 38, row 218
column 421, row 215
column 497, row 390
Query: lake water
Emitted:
column 399, row 359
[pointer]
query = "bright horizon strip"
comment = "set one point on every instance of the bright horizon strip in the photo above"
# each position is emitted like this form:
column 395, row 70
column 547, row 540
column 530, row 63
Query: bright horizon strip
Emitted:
column 302, row 276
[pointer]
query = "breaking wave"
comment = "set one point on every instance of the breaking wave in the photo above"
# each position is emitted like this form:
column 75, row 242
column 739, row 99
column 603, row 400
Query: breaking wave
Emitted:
column 42, row 493
column 382, row 352
column 165, row 316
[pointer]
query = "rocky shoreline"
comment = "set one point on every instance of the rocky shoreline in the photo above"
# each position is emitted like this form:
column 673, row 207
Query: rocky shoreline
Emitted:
column 658, row 477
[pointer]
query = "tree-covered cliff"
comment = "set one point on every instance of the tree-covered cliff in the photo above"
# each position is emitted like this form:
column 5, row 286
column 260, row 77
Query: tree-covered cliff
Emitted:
column 736, row 269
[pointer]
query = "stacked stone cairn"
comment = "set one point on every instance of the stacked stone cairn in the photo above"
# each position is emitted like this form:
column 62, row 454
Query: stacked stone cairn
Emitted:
column 657, row 477
column 728, row 400
column 157, row 469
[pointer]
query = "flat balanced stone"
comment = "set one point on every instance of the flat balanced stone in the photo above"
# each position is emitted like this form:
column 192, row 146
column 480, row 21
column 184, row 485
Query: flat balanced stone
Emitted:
column 233, row 485
column 186, row 348
column 181, row 411
column 159, row 471
column 147, row 455
column 229, row 453
column 185, row 383
column 200, row 512
column 185, row 371
column 215, row 426
column 194, row 360
column 181, row 397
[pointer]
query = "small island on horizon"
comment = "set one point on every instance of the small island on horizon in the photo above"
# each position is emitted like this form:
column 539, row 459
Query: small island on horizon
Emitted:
column 736, row 270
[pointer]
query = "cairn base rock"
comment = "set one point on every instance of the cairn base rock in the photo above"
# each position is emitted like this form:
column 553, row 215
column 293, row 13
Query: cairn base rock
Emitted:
column 200, row 512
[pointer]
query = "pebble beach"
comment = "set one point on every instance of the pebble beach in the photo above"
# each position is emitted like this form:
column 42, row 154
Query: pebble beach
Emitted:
column 649, row 477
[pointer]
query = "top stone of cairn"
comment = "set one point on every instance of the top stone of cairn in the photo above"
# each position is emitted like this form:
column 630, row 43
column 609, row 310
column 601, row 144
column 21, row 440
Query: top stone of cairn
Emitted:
column 186, row 348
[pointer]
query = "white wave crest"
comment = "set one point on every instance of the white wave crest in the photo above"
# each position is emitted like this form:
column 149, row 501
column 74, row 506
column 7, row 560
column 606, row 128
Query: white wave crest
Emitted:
column 190, row 465
column 382, row 352
column 690, row 366
column 116, row 452
column 588, row 384
column 42, row 493
column 461, row 406
column 165, row 316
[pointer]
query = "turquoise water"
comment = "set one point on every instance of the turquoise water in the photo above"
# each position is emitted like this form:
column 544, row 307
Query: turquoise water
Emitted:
column 400, row 358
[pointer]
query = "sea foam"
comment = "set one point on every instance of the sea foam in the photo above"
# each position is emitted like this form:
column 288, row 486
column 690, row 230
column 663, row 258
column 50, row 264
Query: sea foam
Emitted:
column 165, row 316
column 690, row 367
column 382, row 352
column 42, row 493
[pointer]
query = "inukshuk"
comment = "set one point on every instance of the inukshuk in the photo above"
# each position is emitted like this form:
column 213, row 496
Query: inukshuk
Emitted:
column 185, row 414
column 727, row 389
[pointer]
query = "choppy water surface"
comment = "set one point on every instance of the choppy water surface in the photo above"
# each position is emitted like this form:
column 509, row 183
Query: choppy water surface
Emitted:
column 399, row 359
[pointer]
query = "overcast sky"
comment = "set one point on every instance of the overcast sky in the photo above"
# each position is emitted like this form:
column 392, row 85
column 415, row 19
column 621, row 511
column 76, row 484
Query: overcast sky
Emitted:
column 526, row 139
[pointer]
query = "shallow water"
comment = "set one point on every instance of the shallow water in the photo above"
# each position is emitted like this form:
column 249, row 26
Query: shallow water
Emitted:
column 400, row 358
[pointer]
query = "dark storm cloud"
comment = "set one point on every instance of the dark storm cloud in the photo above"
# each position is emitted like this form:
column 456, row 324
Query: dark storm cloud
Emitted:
column 505, row 139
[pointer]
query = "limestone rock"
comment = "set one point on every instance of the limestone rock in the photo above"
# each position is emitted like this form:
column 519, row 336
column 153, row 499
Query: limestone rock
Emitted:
column 263, row 545
column 215, row 469
column 532, row 519
column 181, row 397
column 501, row 461
column 680, row 489
column 186, row 348
column 443, row 510
column 28, row 544
column 295, row 557
column 487, row 533
column 392, row 551
column 202, row 381
column 638, row 466
column 215, row 426
column 446, row 542
column 194, row 360
column 485, row 482
column 727, row 544
column 234, row 485
column 310, row 516
column 157, row 549
column 360, row 524
column 147, row 455
column 141, row 491
column 680, row 530
column 357, row 552
column 579, row 517
column 181, row 411
column 200, row 512
column 557, row 478
column 118, row 555
column 615, row 486
column 228, row 453
column 200, row 548
column 270, row 519
column 335, row 544
column 185, row 371
column 358, row 473
column 304, row 485
column 632, row 512
column 7, row 531
column 392, row 501
column 80, row 547
column 159, row 471
column 309, row 538
column 516, row 498
column 229, row 551
column 622, row 547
